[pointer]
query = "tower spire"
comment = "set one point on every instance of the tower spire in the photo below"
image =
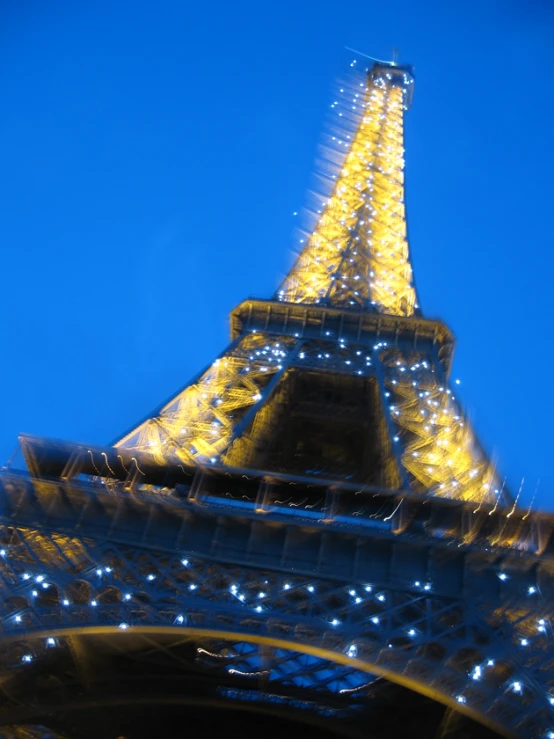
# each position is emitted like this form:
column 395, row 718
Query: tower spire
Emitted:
column 357, row 255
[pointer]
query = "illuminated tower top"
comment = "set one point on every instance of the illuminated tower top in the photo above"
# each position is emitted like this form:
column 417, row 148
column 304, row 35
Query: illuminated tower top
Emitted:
column 357, row 255
column 339, row 376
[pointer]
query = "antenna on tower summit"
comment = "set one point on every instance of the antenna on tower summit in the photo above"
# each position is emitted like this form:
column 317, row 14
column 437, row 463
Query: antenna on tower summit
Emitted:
column 374, row 59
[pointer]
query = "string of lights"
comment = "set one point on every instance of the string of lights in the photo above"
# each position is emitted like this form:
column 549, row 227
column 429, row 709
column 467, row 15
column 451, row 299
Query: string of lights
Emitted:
column 357, row 255
column 314, row 511
column 375, row 627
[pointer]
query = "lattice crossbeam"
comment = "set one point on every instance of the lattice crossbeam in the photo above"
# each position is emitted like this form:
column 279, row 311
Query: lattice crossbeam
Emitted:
column 357, row 255
column 412, row 635
column 198, row 424
column 438, row 447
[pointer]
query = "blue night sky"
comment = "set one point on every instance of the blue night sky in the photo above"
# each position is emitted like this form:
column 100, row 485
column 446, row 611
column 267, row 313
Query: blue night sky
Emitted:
column 152, row 156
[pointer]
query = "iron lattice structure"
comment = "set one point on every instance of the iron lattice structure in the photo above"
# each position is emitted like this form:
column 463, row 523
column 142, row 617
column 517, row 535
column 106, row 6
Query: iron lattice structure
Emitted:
column 310, row 529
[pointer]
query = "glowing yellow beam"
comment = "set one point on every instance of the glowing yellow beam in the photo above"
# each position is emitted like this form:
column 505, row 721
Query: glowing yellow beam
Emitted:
column 358, row 252
column 439, row 448
column 377, row 667
column 198, row 423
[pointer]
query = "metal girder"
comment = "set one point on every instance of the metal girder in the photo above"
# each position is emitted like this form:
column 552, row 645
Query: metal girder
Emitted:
column 321, row 322
column 357, row 255
column 292, row 581
column 230, row 412
column 484, row 654
column 176, row 489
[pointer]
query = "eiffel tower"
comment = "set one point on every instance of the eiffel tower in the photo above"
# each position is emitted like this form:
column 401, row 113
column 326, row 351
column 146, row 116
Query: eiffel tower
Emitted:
column 309, row 534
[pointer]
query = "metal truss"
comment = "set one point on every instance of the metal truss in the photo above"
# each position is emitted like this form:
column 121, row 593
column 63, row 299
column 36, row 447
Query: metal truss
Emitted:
column 357, row 254
column 202, row 421
column 181, row 547
column 488, row 656
column 233, row 408
column 439, row 449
